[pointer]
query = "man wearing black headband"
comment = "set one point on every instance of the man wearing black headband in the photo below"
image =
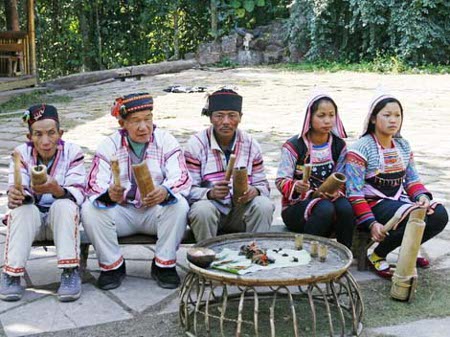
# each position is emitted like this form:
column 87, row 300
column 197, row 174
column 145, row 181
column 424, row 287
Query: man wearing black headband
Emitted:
column 213, row 210
column 47, row 211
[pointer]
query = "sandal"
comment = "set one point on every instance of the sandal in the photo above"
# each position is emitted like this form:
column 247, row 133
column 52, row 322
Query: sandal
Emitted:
column 380, row 267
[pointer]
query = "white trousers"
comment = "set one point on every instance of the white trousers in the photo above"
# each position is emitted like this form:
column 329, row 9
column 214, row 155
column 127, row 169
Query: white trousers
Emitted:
column 27, row 224
column 104, row 225
column 206, row 221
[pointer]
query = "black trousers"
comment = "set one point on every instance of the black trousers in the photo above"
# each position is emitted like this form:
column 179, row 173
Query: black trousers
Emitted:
column 386, row 209
column 326, row 217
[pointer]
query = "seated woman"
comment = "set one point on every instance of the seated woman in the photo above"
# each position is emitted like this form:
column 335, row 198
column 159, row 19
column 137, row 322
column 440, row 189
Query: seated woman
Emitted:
column 319, row 144
column 382, row 180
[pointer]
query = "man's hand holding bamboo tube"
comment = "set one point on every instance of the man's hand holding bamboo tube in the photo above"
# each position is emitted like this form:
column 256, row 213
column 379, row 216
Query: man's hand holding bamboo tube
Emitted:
column 155, row 197
column 51, row 186
column 219, row 190
column 251, row 193
column 115, row 193
column 15, row 197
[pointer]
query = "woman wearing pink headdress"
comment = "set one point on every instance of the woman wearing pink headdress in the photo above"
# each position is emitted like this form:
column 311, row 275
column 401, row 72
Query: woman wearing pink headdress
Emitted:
column 382, row 181
column 321, row 145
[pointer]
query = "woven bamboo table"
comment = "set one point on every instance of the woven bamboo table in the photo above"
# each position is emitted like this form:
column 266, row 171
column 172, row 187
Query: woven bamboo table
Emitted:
column 326, row 289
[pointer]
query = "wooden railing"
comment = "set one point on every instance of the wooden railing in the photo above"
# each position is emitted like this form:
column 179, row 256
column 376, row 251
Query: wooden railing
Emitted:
column 14, row 54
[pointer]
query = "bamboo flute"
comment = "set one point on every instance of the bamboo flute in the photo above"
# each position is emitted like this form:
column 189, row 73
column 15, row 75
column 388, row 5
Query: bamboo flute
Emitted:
column 17, row 174
column 115, row 169
column 143, row 179
column 331, row 185
column 38, row 175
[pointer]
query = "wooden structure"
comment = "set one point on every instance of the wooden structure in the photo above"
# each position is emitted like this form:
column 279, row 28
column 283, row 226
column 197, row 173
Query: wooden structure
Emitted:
column 18, row 55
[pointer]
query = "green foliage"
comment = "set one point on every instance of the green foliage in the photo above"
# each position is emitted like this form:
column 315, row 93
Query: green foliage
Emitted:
column 379, row 65
column 416, row 32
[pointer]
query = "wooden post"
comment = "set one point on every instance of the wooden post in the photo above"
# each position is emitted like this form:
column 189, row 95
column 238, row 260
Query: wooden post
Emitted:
column 31, row 37
column 404, row 280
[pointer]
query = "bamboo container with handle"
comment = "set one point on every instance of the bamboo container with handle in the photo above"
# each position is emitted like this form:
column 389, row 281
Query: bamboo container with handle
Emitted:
column 332, row 184
column 240, row 183
column 143, row 179
column 115, row 169
column 230, row 167
column 404, row 281
column 38, row 175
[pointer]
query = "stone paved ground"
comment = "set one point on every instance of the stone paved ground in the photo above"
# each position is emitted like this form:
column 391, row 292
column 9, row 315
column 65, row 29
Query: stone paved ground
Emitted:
column 273, row 109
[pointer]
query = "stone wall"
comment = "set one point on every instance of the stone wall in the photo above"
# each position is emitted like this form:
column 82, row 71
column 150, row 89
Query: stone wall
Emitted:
column 262, row 45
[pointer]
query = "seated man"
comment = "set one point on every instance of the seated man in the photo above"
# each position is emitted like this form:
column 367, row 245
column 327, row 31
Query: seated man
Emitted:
column 114, row 211
column 48, row 211
column 212, row 209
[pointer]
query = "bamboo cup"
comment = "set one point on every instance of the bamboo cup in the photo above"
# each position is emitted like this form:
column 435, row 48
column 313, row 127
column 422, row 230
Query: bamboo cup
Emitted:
column 240, row 183
column 306, row 172
column 230, row 167
column 299, row 241
column 38, row 175
column 323, row 252
column 314, row 249
column 17, row 174
column 332, row 184
column 143, row 179
column 115, row 170
column 404, row 281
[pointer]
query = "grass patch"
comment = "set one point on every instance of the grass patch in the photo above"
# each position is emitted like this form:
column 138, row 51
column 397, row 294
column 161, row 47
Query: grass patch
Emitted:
column 23, row 101
column 390, row 65
column 432, row 300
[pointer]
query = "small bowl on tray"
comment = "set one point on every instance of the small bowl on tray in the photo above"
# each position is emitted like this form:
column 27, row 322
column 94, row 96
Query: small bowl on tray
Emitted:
column 201, row 257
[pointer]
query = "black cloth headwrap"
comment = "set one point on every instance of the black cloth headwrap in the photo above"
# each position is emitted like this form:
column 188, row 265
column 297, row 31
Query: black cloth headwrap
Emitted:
column 39, row 112
column 224, row 99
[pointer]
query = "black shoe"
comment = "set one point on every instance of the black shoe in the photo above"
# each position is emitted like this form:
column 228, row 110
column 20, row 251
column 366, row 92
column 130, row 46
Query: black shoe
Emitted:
column 165, row 277
column 111, row 279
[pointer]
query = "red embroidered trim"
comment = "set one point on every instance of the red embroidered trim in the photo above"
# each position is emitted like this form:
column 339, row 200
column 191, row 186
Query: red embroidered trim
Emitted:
column 69, row 261
column 14, row 270
column 111, row 266
column 165, row 262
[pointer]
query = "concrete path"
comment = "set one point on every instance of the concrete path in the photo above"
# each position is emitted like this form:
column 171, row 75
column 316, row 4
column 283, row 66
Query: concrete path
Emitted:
column 273, row 111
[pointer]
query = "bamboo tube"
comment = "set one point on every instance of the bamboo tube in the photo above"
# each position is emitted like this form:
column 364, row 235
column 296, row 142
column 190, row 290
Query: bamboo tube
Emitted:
column 240, row 183
column 306, row 172
column 143, row 179
column 230, row 167
column 38, row 175
column 332, row 184
column 17, row 173
column 314, row 248
column 299, row 241
column 323, row 252
column 405, row 275
column 115, row 169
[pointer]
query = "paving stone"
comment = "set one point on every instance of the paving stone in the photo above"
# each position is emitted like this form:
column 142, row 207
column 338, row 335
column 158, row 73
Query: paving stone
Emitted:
column 436, row 248
column 140, row 294
column 136, row 252
column 94, row 307
column 31, row 294
column 43, row 271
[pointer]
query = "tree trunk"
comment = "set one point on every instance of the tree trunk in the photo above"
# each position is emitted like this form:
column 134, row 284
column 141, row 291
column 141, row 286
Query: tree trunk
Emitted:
column 176, row 40
column 84, row 30
column 12, row 16
column 214, row 30
column 99, row 37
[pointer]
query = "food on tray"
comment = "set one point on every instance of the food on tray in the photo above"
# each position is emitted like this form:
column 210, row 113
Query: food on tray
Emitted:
column 255, row 254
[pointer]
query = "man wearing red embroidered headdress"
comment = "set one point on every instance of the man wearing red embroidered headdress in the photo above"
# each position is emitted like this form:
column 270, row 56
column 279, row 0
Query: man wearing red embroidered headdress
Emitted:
column 46, row 211
column 114, row 211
